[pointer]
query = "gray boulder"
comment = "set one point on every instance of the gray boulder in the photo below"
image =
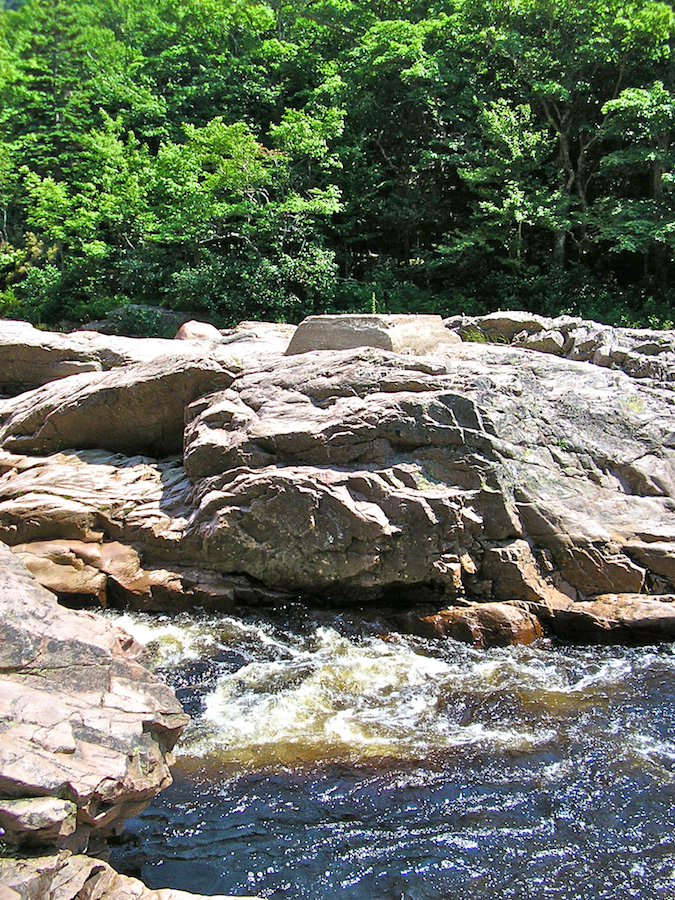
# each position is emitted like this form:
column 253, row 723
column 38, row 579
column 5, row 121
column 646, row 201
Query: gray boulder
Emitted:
column 412, row 334
column 362, row 468
column 641, row 353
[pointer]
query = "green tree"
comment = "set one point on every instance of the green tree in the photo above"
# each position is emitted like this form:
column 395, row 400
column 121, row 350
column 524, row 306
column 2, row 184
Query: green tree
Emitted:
column 638, row 214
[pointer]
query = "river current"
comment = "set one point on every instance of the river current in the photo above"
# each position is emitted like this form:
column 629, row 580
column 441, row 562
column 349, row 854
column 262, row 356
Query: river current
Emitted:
column 329, row 757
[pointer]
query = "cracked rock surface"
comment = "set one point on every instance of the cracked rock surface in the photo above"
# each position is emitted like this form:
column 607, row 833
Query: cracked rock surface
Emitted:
column 64, row 876
column 487, row 472
column 86, row 732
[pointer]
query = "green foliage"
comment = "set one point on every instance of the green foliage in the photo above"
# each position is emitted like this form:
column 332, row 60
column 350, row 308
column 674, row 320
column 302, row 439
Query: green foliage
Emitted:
column 269, row 160
column 134, row 320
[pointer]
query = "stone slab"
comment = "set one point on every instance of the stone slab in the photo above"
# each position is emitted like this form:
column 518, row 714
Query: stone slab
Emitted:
column 401, row 334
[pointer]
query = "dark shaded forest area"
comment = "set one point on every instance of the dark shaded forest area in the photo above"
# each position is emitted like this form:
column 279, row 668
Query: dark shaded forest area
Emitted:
column 245, row 159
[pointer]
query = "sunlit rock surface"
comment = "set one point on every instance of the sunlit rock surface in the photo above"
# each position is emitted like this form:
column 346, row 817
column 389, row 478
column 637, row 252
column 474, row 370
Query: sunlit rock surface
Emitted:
column 402, row 334
column 640, row 352
column 485, row 472
column 135, row 409
column 86, row 733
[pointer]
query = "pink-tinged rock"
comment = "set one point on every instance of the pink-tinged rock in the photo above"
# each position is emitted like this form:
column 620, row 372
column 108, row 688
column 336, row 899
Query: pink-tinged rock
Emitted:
column 63, row 876
column 364, row 470
column 400, row 333
column 197, row 331
column 133, row 409
column 80, row 719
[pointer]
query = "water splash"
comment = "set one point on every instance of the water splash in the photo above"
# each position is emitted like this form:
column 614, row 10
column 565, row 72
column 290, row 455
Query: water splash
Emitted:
column 325, row 761
column 318, row 695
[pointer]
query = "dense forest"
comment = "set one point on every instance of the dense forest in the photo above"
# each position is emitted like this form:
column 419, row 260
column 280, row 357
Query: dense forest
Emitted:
column 251, row 159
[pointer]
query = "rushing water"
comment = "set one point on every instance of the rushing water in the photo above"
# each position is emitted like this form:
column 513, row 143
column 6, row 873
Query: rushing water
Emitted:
column 324, row 760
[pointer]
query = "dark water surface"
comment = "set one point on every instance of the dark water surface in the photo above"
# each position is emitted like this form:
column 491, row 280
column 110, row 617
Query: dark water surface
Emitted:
column 324, row 761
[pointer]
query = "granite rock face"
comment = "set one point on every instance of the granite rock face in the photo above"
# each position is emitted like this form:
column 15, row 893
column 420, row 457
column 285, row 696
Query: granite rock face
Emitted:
column 136, row 409
column 483, row 473
column 401, row 334
column 30, row 357
column 86, row 732
column 490, row 472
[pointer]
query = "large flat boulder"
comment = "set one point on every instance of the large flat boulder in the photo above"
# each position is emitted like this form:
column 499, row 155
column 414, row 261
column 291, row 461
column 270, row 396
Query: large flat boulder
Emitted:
column 402, row 334
column 86, row 733
column 134, row 409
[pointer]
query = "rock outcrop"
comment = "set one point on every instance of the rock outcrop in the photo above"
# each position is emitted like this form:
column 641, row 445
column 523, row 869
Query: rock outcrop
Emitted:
column 86, row 731
column 512, row 485
column 640, row 352
column 64, row 876
column 483, row 473
column 30, row 357
column 136, row 409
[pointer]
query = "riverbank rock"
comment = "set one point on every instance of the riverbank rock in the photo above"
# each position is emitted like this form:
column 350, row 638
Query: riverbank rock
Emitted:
column 30, row 357
column 483, row 625
column 483, row 473
column 490, row 471
column 611, row 618
column 641, row 353
column 64, row 876
column 86, row 731
column 136, row 409
column 197, row 331
column 80, row 573
column 401, row 334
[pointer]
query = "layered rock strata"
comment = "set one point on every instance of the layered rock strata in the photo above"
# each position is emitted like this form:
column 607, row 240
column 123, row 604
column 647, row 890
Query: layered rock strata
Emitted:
column 64, row 876
column 489, row 472
column 86, row 731
column 483, row 473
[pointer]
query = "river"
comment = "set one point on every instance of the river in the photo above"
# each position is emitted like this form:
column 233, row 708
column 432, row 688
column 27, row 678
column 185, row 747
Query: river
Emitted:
column 331, row 757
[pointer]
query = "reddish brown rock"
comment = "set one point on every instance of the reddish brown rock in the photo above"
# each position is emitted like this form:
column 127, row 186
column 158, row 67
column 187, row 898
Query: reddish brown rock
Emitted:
column 611, row 618
column 484, row 625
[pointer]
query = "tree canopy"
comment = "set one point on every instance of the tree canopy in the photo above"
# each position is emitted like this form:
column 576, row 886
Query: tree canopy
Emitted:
column 250, row 159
